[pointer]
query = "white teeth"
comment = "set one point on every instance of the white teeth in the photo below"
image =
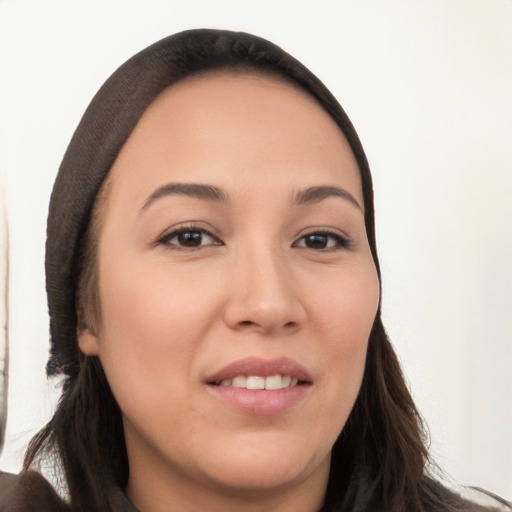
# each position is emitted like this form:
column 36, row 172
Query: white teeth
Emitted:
column 256, row 382
column 240, row 382
column 274, row 382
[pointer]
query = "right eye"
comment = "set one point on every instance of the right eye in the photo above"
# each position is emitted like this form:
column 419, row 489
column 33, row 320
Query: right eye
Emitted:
column 188, row 238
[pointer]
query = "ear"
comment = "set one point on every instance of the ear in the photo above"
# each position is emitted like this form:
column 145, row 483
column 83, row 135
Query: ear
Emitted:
column 88, row 342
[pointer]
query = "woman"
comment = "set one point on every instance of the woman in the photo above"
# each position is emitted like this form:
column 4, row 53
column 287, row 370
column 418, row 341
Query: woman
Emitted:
column 214, row 292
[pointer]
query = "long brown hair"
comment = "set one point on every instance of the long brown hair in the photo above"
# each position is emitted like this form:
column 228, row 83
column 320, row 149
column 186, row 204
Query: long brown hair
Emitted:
column 380, row 459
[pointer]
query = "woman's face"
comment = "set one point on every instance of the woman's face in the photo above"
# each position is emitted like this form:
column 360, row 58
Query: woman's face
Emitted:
column 232, row 256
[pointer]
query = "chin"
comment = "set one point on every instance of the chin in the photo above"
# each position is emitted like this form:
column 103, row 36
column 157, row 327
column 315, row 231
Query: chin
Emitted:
column 260, row 480
column 268, row 469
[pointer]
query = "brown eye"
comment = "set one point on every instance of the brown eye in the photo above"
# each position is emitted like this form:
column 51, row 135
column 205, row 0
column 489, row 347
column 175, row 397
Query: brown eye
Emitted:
column 322, row 240
column 189, row 239
column 316, row 241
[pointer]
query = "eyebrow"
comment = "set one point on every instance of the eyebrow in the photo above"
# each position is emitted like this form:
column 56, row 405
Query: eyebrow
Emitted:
column 197, row 190
column 314, row 195
column 310, row 195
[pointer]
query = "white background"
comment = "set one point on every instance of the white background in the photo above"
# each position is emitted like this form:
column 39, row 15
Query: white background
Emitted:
column 428, row 85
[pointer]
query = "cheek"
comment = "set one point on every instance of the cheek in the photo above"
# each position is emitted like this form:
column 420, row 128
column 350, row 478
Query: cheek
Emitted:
column 346, row 313
column 153, row 325
column 153, row 303
column 346, row 306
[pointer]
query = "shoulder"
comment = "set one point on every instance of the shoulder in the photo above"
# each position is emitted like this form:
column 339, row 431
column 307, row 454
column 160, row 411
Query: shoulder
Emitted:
column 447, row 496
column 458, row 498
column 480, row 500
column 28, row 492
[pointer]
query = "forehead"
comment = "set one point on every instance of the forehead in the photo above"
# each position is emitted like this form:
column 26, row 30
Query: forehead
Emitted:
column 228, row 126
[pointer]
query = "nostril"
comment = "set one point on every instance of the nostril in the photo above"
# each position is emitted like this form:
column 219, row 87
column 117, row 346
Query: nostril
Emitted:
column 288, row 326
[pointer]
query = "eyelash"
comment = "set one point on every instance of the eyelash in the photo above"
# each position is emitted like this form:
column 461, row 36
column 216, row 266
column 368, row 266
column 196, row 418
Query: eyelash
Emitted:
column 167, row 237
column 340, row 242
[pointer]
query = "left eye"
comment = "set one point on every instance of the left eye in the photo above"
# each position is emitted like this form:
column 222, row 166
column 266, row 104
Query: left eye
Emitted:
column 189, row 238
column 321, row 241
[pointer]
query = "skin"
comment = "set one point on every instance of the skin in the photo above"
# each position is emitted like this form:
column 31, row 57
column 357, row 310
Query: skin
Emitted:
column 173, row 315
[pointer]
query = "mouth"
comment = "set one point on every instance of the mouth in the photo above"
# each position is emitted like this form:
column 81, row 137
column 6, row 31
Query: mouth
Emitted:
column 259, row 373
column 261, row 386
column 257, row 382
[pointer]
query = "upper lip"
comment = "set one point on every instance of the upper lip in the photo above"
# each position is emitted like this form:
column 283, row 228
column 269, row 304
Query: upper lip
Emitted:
column 256, row 366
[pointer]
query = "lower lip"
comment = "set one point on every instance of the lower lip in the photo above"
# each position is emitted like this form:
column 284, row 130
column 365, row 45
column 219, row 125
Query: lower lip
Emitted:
column 261, row 401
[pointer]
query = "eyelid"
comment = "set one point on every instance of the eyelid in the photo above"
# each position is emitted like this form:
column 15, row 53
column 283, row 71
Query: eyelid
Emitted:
column 343, row 241
column 176, row 230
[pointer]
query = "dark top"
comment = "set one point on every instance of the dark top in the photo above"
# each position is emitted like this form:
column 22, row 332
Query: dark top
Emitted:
column 31, row 492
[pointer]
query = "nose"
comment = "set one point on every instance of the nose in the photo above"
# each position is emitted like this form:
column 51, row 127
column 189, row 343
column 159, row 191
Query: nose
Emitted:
column 264, row 295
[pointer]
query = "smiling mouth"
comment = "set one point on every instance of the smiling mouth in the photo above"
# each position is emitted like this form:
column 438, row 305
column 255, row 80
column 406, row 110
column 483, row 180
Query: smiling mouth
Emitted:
column 256, row 374
column 272, row 382
column 260, row 386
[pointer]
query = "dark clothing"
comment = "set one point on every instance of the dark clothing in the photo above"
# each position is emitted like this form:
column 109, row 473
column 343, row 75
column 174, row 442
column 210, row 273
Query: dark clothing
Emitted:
column 28, row 492
column 31, row 492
